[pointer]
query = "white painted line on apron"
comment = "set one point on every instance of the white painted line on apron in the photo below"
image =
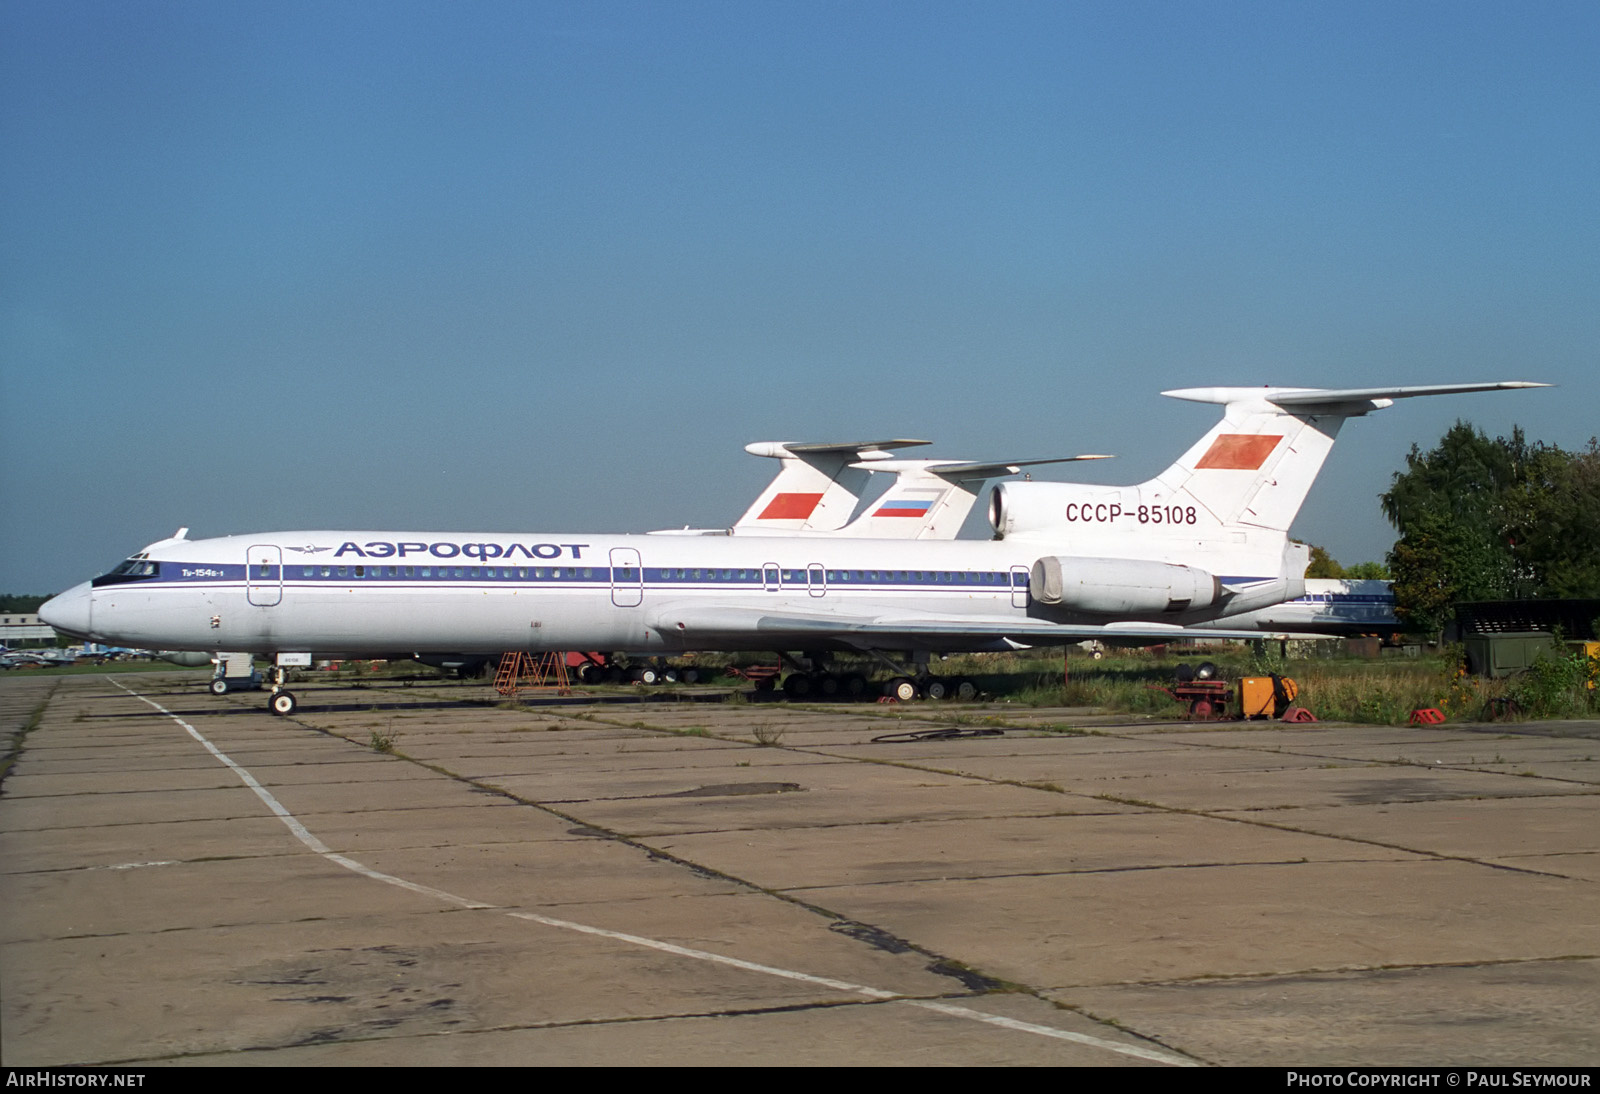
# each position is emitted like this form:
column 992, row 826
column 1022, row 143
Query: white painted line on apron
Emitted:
column 304, row 836
column 300, row 831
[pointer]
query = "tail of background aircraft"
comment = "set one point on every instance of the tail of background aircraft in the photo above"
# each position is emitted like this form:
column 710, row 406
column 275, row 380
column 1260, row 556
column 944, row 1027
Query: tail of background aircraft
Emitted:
column 930, row 499
column 817, row 486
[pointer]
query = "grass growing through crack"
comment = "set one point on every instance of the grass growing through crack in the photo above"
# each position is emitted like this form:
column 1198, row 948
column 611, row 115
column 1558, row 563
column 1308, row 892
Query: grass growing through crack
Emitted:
column 13, row 747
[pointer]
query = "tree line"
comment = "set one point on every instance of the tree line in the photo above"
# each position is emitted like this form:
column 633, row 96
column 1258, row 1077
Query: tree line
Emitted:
column 1499, row 519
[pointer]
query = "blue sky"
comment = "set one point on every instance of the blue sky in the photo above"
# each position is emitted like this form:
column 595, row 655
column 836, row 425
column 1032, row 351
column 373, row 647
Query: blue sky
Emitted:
column 549, row 266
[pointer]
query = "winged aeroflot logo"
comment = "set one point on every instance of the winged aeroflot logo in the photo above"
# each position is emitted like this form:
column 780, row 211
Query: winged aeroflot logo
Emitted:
column 310, row 550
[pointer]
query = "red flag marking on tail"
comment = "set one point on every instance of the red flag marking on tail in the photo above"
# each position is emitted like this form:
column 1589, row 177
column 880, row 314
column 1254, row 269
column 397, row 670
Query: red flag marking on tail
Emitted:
column 790, row 507
column 1238, row 452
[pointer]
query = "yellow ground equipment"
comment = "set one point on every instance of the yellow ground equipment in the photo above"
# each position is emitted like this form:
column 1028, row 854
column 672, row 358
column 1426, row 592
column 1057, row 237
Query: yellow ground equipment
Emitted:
column 1266, row 696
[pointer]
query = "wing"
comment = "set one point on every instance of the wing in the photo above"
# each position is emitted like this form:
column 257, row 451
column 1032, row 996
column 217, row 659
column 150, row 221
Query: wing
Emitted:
column 690, row 623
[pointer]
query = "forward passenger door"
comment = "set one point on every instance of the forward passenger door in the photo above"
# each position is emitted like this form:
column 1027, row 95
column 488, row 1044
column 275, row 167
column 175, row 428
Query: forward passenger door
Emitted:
column 627, row 578
column 263, row 579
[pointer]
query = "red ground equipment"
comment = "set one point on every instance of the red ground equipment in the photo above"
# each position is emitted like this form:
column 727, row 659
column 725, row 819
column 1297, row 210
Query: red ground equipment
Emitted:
column 1209, row 699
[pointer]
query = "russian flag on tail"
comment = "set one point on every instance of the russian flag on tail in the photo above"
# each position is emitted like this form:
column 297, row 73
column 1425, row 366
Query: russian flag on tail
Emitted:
column 905, row 507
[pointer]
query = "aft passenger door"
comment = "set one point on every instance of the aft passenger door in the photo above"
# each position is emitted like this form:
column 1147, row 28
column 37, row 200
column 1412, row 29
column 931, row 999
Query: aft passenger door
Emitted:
column 263, row 566
column 1019, row 586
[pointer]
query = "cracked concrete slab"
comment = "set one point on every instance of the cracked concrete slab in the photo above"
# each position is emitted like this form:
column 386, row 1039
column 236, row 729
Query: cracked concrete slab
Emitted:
column 832, row 794
column 260, row 986
column 1538, row 1013
column 1487, row 828
column 1234, row 920
column 893, row 1034
column 936, row 850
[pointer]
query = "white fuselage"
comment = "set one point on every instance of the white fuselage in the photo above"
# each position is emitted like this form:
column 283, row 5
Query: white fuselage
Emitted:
column 384, row 593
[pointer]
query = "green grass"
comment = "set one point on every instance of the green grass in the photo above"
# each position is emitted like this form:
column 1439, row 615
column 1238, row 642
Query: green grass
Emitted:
column 1381, row 691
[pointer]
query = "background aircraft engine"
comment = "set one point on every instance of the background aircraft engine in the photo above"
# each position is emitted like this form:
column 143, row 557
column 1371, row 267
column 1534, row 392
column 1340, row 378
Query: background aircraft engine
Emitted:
column 188, row 658
column 1112, row 586
column 1009, row 513
column 1035, row 509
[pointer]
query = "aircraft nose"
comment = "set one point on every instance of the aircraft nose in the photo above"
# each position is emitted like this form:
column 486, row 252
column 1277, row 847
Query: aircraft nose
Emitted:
column 71, row 612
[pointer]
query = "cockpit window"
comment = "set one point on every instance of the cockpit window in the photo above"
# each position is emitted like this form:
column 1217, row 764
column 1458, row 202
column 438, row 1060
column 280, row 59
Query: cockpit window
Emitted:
column 135, row 569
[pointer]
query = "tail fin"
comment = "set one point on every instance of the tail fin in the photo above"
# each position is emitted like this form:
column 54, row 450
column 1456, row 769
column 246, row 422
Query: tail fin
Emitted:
column 1232, row 495
column 817, row 486
column 1254, row 467
column 1280, row 436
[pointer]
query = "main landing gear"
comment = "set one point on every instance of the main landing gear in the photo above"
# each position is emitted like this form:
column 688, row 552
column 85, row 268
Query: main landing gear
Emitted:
column 921, row 684
column 812, row 676
column 827, row 685
column 904, row 689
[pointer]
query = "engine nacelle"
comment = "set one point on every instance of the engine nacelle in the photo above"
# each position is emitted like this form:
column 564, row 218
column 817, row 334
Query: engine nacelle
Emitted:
column 1115, row 586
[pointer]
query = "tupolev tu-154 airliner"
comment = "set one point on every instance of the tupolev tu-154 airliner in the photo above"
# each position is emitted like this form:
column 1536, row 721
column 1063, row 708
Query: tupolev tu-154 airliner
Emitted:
column 1202, row 542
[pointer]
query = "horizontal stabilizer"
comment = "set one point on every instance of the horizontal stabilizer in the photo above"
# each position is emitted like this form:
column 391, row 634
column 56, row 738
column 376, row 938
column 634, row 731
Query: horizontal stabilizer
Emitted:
column 967, row 472
column 1357, row 394
column 1348, row 401
column 780, row 449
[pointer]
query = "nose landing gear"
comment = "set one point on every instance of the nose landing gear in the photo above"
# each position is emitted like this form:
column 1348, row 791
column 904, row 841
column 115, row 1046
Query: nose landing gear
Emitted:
column 282, row 701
